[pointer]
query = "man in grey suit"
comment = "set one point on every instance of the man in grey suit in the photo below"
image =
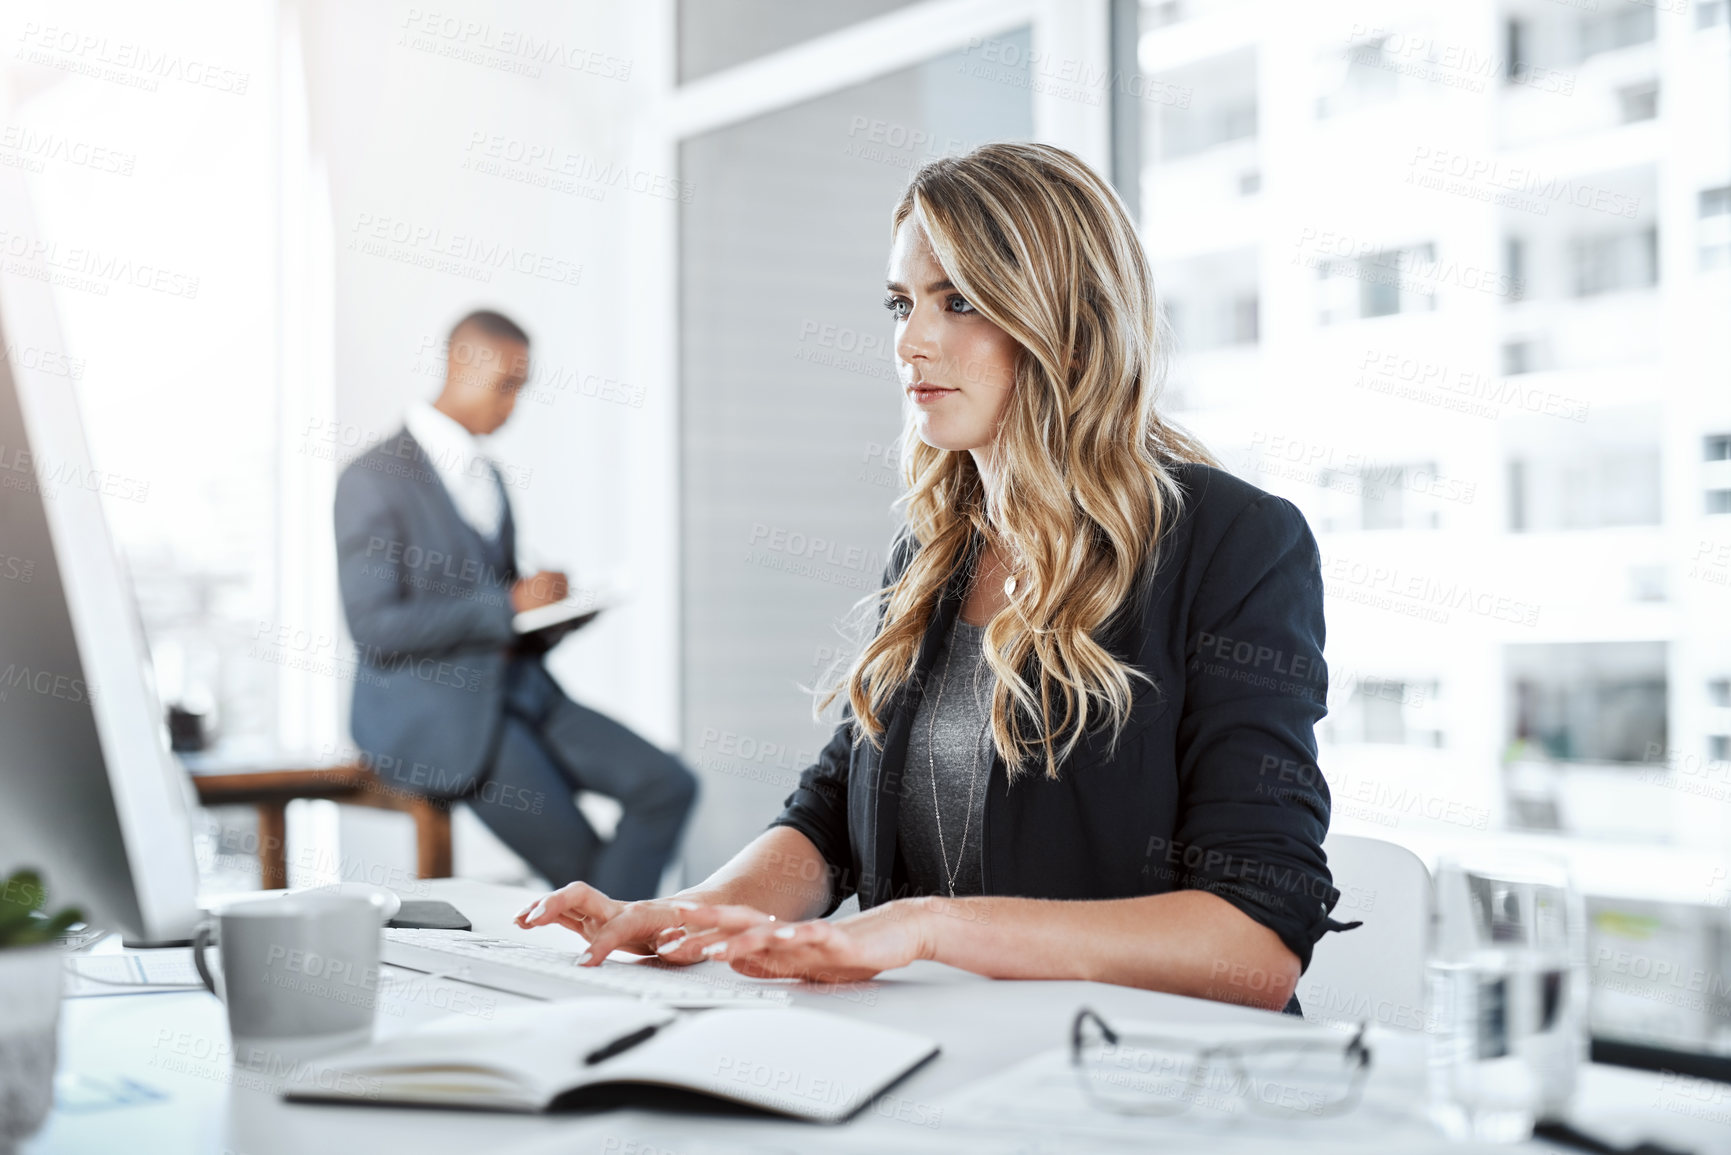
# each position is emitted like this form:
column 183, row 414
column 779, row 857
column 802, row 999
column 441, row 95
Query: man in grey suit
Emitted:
column 449, row 702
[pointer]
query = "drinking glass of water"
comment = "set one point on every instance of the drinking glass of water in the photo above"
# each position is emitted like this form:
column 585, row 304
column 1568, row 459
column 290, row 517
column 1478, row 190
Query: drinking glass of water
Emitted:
column 1507, row 988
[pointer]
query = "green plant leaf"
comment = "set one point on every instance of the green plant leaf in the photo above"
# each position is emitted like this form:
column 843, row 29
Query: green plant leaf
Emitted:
column 25, row 888
column 22, row 922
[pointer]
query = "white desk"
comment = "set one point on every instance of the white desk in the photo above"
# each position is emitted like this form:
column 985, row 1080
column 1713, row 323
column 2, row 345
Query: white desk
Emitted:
column 169, row 1042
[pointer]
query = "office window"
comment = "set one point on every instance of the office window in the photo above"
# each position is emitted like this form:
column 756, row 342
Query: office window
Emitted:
column 1638, row 101
column 1520, row 357
column 1515, row 33
column 1203, row 107
column 1379, row 284
column 1212, row 301
column 1214, row 324
column 1197, row 123
column 1382, row 496
column 1515, row 265
column 1615, row 262
column 1719, row 747
column 1719, row 693
column 1716, row 454
column 1589, row 701
column 1385, row 711
column 1246, row 313
column 1711, row 13
column 1613, row 28
column 1517, row 491
column 1382, row 503
column 1588, row 489
column 1713, row 228
column 1648, row 583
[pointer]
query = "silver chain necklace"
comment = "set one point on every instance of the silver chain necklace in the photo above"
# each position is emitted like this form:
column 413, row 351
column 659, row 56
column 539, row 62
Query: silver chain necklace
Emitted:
column 950, row 875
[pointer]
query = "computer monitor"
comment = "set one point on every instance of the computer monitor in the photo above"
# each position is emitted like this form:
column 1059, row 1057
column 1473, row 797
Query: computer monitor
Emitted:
column 89, row 793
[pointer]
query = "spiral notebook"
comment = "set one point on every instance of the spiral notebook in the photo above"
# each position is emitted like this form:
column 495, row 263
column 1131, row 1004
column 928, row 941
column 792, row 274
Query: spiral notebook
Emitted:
column 802, row 1063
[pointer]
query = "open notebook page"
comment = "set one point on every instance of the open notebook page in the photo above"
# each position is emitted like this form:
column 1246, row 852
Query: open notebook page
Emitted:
column 520, row 1058
column 794, row 1062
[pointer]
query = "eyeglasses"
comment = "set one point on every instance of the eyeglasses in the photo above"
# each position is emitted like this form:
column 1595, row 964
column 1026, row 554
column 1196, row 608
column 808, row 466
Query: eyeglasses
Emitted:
column 1151, row 1075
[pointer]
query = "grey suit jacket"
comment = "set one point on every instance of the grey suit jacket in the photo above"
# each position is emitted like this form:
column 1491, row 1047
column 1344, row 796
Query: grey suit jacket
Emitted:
column 428, row 602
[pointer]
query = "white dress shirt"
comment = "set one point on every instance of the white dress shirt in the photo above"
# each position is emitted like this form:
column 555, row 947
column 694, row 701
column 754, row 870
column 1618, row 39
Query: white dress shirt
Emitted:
column 467, row 473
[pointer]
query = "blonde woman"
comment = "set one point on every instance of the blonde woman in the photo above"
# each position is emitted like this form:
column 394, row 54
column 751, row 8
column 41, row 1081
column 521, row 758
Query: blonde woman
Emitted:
column 1080, row 743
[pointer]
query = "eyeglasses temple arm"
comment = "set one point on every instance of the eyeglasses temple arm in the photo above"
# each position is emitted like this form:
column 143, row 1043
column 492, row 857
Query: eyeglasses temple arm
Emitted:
column 1083, row 1016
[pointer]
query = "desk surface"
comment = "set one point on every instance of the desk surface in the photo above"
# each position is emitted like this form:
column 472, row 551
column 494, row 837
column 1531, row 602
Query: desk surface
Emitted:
column 172, row 1044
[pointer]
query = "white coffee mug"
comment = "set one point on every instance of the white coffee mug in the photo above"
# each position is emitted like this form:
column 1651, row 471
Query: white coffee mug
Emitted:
column 300, row 973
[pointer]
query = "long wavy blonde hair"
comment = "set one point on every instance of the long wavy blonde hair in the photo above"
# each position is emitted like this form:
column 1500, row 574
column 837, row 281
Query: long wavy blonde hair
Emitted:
column 1082, row 486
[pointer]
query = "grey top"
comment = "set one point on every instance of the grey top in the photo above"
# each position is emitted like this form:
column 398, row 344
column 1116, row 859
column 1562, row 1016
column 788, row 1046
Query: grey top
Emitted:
column 950, row 737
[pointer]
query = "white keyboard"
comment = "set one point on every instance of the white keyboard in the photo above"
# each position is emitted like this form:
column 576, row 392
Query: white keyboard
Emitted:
column 543, row 973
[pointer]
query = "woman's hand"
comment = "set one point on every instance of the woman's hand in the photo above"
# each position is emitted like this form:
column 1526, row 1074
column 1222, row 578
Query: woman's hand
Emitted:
column 652, row 927
column 629, row 926
column 578, row 906
column 849, row 950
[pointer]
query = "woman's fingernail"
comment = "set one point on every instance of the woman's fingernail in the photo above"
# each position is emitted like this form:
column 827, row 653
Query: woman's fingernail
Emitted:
column 681, row 904
column 668, row 947
column 670, row 930
column 582, row 958
column 714, row 949
column 785, row 932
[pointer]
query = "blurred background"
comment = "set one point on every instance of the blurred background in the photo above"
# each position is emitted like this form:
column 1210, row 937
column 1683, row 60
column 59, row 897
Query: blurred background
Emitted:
column 1453, row 277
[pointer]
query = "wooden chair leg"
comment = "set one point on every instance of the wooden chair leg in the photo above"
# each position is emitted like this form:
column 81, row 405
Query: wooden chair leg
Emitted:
column 432, row 840
column 272, row 845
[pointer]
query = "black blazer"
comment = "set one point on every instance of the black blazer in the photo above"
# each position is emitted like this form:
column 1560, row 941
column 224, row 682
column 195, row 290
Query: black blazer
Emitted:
column 1213, row 785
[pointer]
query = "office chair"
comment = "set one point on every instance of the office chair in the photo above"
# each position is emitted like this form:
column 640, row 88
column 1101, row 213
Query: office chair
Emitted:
column 1376, row 971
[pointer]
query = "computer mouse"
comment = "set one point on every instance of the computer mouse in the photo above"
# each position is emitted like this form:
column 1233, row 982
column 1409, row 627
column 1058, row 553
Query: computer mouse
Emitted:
column 386, row 902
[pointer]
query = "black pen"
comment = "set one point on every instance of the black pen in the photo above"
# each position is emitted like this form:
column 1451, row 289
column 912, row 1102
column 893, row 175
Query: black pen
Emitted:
column 620, row 1045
